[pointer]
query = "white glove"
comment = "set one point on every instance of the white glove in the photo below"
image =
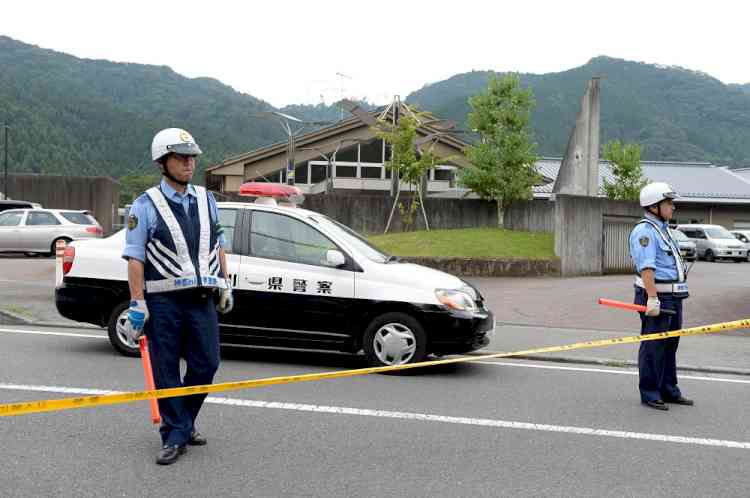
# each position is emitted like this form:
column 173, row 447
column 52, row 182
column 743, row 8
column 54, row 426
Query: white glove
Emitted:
column 226, row 300
column 653, row 306
column 137, row 317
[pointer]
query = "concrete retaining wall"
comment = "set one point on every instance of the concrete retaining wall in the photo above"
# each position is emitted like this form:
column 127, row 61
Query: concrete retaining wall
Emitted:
column 469, row 267
column 97, row 194
column 531, row 216
column 578, row 231
column 368, row 214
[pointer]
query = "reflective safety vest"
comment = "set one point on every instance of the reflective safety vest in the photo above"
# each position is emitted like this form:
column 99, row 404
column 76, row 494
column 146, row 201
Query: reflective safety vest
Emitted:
column 183, row 251
column 679, row 263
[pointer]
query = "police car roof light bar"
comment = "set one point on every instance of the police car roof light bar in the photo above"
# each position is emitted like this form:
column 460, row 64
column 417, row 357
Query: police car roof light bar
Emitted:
column 265, row 189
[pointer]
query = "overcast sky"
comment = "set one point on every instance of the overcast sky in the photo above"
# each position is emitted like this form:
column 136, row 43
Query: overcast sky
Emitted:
column 290, row 52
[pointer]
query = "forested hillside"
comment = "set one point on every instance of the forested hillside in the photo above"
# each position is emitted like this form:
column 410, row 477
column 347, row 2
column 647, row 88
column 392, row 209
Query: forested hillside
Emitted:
column 98, row 117
column 675, row 114
column 95, row 117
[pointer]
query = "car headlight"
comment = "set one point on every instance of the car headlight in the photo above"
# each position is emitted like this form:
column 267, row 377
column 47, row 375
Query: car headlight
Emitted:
column 455, row 299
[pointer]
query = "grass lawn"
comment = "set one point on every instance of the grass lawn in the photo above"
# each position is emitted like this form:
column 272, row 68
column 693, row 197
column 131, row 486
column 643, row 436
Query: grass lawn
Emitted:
column 468, row 243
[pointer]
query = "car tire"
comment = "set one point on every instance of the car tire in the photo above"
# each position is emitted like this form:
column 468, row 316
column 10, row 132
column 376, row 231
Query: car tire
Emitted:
column 709, row 256
column 393, row 339
column 53, row 247
column 119, row 342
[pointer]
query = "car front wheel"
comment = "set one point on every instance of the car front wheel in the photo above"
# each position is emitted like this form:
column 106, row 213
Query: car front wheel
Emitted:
column 122, row 344
column 709, row 255
column 394, row 339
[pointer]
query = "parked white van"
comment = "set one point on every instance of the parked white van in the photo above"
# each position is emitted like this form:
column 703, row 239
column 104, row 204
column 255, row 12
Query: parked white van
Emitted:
column 715, row 242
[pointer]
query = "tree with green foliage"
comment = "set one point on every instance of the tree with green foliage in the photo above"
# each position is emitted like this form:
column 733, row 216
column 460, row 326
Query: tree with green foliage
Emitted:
column 405, row 162
column 502, row 162
column 625, row 162
column 131, row 186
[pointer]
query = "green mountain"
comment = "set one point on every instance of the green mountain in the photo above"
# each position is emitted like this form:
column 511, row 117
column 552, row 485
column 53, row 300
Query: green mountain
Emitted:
column 93, row 117
column 673, row 113
column 80, row 116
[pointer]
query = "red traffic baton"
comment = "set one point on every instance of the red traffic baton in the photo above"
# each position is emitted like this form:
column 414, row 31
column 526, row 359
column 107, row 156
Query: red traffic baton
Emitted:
column 630, row 306
column 148, row 374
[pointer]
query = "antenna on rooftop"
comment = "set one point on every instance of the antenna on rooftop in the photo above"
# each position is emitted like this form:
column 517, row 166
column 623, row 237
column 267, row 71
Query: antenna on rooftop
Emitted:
column 341, row 107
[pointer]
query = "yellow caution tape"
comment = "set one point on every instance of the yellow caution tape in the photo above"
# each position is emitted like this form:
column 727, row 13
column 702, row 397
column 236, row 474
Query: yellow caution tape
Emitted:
column 113, row 399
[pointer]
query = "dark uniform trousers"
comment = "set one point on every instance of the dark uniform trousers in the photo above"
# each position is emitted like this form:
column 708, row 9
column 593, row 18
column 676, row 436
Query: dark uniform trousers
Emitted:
column 182, row 324
column 657, row 360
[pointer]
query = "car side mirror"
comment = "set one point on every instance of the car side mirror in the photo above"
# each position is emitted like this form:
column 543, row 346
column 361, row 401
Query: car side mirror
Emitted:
column 334, row 258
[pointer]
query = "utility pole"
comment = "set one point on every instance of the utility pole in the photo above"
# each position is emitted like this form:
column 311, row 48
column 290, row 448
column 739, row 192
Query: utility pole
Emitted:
column 341, row 106
column 5, row 179
column 285, row 121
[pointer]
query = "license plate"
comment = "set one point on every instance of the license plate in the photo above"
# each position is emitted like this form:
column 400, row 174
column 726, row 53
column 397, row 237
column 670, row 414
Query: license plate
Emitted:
column 683, row 253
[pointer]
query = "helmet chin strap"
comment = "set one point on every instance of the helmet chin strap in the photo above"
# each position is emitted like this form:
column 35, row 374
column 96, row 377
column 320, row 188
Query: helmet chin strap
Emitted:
column 165, row 172
column 658, row 211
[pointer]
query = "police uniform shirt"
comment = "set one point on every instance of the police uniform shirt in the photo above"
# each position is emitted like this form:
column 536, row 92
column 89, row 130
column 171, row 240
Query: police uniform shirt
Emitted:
column 143, row 216
column 649, row 250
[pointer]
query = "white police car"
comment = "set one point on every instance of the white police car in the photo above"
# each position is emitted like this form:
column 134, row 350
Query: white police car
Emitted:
column 301, row 280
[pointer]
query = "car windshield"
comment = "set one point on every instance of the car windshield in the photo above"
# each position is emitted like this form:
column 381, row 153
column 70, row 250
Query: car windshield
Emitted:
column 77, row 217
column 353, row 238
column 677, row 235
column 719, row 233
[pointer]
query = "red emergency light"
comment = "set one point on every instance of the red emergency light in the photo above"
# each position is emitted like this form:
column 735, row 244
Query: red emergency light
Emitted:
column 263, row 189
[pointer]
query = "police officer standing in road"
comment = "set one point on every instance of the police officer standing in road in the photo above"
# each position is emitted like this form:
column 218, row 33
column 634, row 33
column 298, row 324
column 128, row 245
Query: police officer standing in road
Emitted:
column 175, row 252
column 661, row 286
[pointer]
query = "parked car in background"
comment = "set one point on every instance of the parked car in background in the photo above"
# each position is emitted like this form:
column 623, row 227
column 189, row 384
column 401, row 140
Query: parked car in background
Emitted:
column 715, row 242
column 744, row 237
column 7, row 204
column 36, row 231
column 688, row 249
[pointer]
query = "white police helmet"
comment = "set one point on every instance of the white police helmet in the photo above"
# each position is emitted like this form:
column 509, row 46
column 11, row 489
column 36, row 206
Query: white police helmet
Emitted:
column 656, row 192
column 173, row 140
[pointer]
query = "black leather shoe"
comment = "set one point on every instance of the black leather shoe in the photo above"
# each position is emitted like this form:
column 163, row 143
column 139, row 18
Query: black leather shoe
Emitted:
column 197, row 439
column 656, row 404
column 681, row 401
column 169, row 454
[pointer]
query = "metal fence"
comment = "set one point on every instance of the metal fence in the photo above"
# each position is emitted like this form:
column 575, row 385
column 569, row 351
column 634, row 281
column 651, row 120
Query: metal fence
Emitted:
column 615, row 251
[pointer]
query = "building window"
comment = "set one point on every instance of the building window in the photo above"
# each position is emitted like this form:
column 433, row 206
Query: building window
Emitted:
column 371, row 171
column 300, row 173
column 371, row 152
column 348, row 154
column 443, row 175
column 346, row 171
column 317, row 173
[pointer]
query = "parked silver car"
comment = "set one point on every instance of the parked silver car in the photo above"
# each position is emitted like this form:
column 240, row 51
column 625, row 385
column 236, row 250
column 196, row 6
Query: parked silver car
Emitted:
column 744, row 237
column 688, row 249
column 35, row 231
column 715, row 242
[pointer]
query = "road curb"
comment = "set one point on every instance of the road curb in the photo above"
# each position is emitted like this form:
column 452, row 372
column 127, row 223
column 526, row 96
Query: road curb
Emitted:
column 8, row 318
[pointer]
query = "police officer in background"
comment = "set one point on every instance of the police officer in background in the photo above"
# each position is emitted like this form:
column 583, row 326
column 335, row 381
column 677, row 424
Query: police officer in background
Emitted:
column 661, row 286
column 175, row 252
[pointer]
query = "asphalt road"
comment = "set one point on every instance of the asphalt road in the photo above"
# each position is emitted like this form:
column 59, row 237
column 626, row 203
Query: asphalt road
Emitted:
column 719, row 293
column 476, row 429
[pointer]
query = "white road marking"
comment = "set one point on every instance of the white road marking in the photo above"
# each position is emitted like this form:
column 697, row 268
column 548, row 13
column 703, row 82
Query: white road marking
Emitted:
column 45, row 332
column 423, row 417
column 606, row 370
